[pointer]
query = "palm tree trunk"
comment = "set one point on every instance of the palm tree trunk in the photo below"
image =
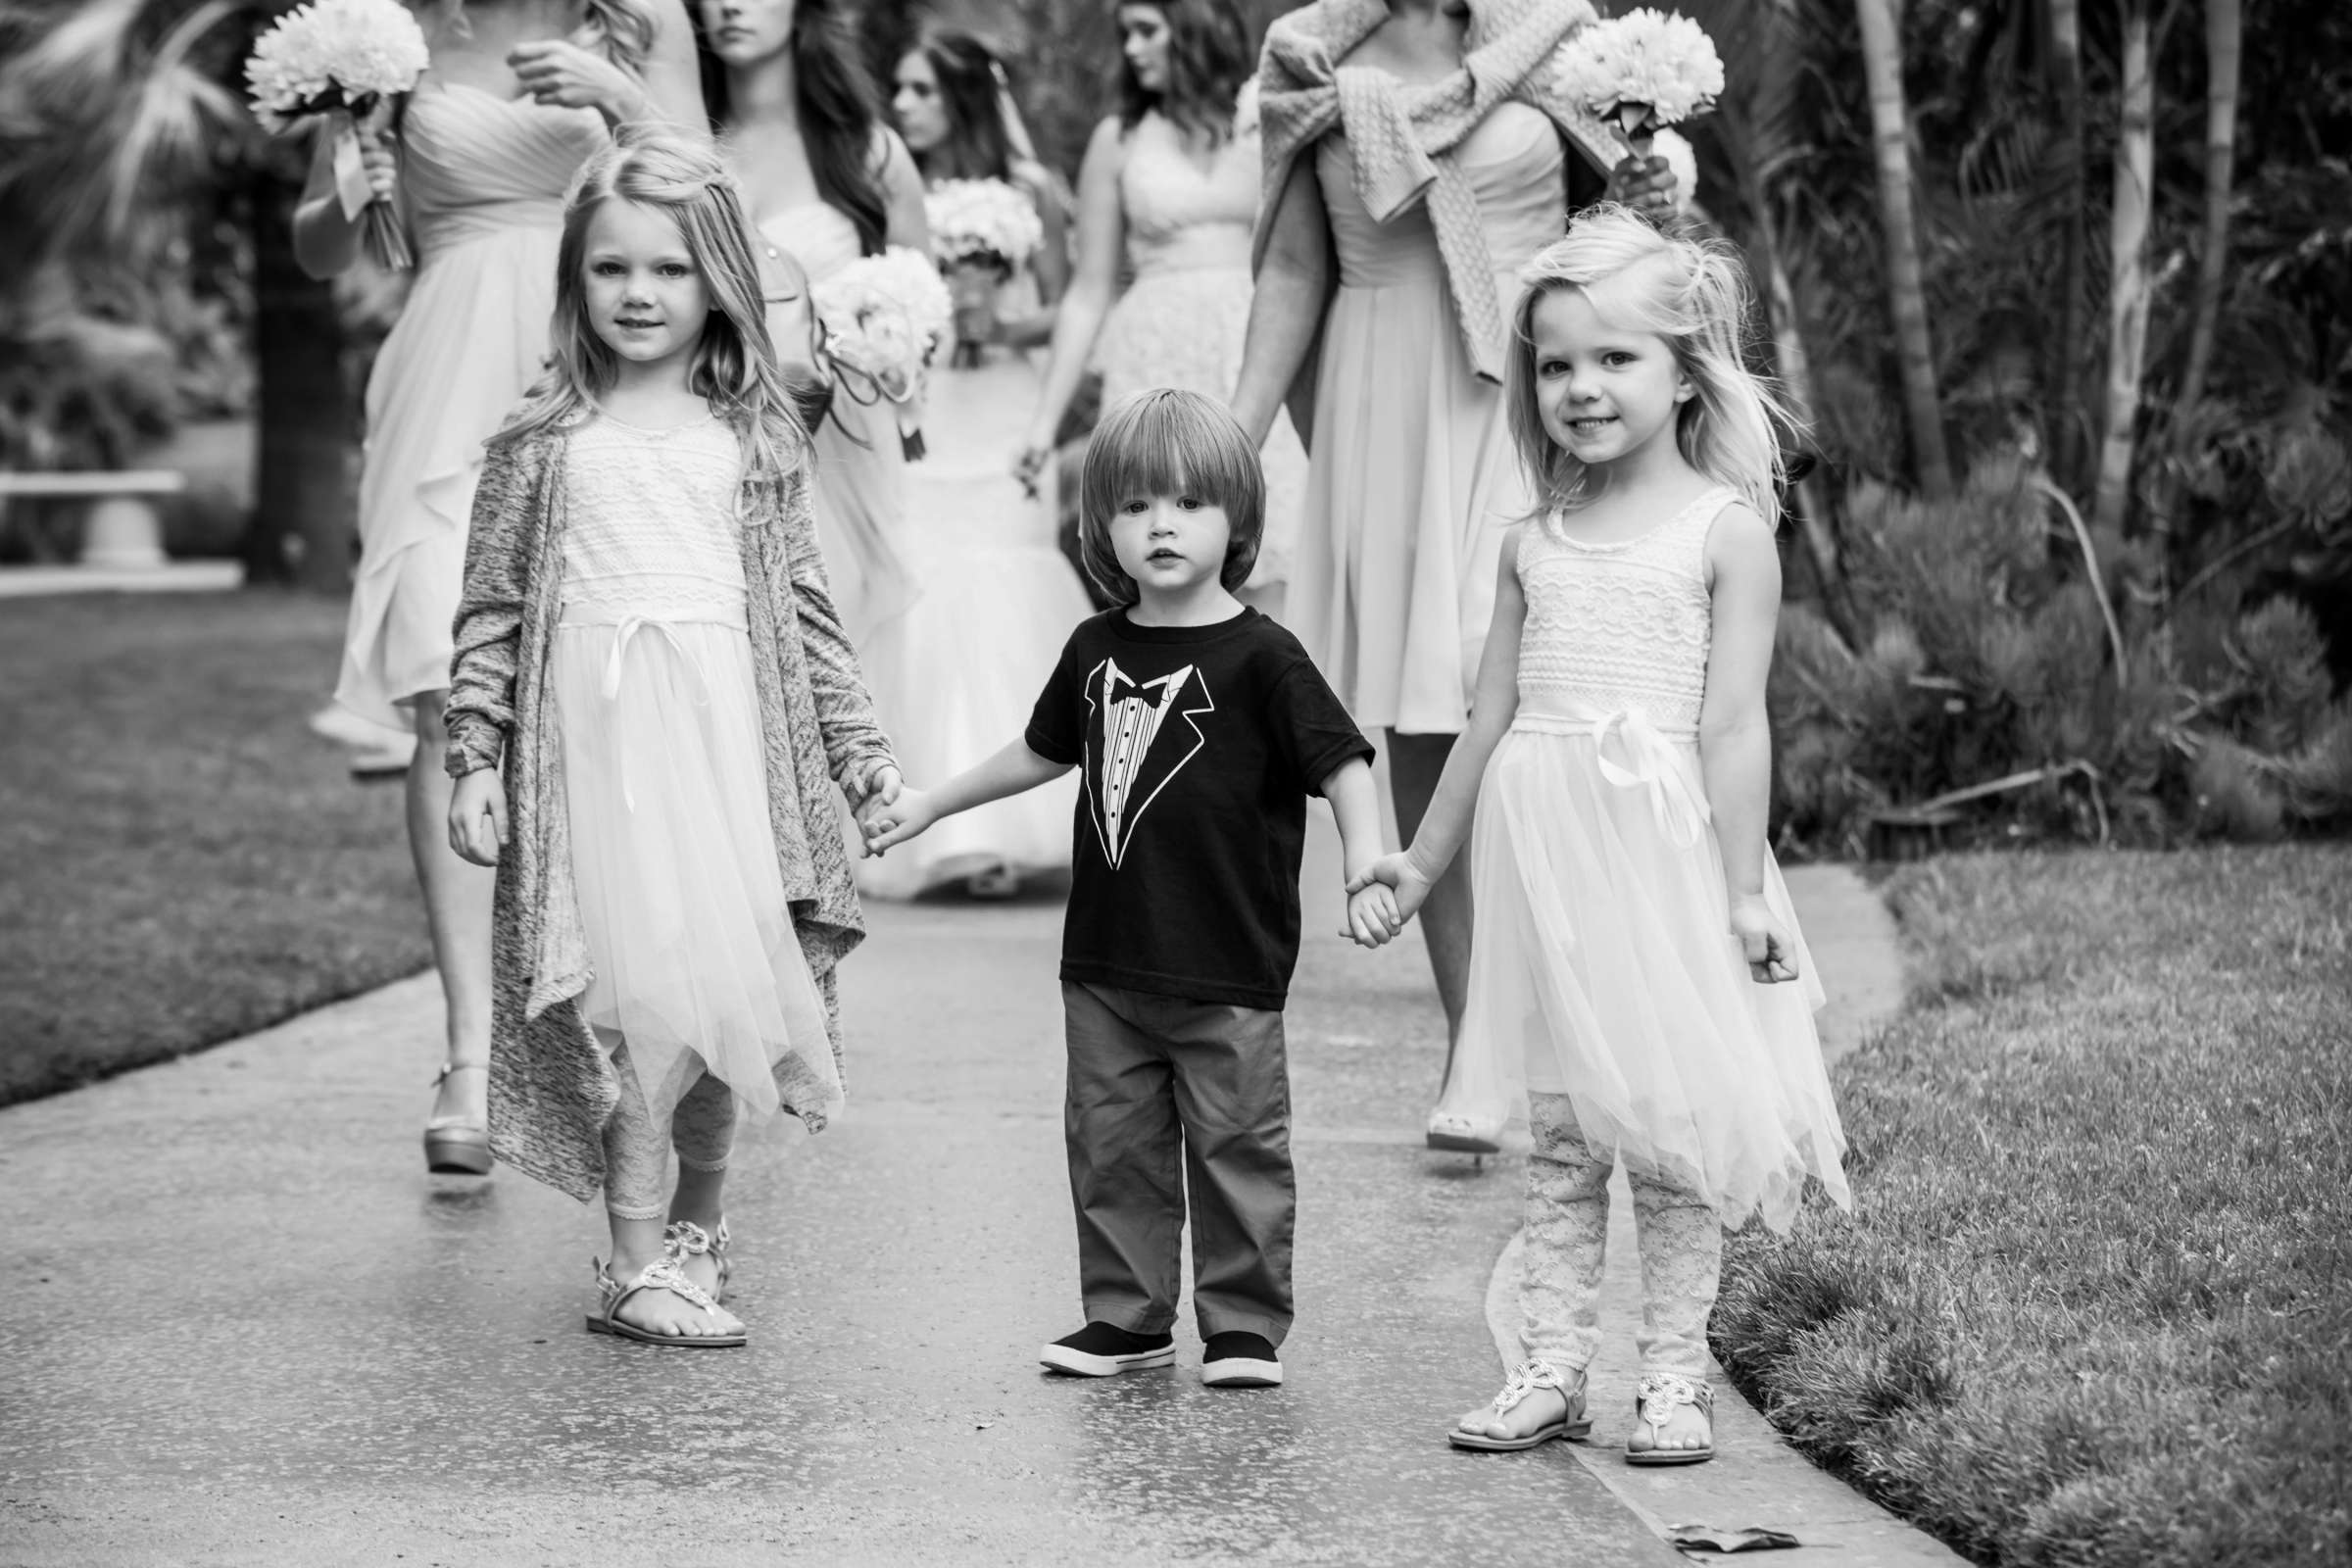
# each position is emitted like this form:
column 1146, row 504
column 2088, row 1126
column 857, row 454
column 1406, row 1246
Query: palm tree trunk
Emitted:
column 1906, row 289
column 2065, row 349
column 2128, row 283
column 2224, row 24
column 305, row 512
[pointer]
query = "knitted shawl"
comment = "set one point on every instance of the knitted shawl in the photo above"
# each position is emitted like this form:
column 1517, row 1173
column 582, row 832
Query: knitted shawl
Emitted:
column 1402, row 137
column 552, row 1088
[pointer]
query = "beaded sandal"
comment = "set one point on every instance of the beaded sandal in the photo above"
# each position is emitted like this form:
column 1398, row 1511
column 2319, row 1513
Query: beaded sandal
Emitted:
column 683, row 1238
column 1660, row 1395
column 1526, row 1379
column 662, row 1274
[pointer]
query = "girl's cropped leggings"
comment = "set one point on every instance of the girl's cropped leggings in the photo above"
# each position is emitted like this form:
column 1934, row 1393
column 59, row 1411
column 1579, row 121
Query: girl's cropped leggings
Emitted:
column 637, row 1154
column 1567, row 1223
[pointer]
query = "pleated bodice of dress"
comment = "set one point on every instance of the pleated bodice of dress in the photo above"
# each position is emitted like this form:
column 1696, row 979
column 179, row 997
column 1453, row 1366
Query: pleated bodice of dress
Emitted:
column 1621, row 627
column 473, row 163
column 1516, row 168
column 1184, row 215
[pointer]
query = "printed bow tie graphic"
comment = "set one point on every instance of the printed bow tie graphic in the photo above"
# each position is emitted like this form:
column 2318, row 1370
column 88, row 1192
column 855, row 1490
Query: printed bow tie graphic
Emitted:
column 1121, row 688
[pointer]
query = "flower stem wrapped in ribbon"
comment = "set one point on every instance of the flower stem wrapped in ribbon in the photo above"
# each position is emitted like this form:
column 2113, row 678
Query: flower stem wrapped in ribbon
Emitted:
column 343, row 59
column 1642, row 70
column 981, row 230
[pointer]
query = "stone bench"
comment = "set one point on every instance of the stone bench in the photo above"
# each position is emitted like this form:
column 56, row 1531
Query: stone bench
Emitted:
column 121, row 529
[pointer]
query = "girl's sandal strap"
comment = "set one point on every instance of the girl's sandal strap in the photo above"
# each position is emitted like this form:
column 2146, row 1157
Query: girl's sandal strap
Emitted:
column 662, row 1274
column 1529, row 1376
column 1656, row 1399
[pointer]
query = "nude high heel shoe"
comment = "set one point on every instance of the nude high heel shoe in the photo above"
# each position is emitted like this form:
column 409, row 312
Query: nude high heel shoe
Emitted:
column 454, row 1146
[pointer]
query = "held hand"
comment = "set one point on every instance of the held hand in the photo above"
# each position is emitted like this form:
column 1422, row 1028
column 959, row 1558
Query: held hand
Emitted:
column 1397, row 872
column 375, row 156
column 1372, row 917
column 561, row 75
column 892, row 822
column 477, row 816
column 1762, row 942
column 1645, row 184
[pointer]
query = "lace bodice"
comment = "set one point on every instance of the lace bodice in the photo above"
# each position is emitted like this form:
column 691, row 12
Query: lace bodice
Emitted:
column 1620, row 627
column 651, row 526
column 1181, row 214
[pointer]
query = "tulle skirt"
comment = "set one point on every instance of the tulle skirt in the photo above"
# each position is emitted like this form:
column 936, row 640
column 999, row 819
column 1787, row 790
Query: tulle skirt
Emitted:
column 1603, row 968
column 696, row 964
column 954, row 677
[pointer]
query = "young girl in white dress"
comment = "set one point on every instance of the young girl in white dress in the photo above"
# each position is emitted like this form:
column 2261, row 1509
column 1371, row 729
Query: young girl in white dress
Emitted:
column 1638, row 973
column 647, row 646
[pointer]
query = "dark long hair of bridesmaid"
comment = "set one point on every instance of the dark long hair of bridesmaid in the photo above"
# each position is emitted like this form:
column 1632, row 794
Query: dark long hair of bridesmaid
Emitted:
column 971, row 85
column 1209, row 57
column 839, row 110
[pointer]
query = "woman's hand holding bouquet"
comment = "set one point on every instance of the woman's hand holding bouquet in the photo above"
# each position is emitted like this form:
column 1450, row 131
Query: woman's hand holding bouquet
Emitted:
column 1643, row 72
column 981, row 231
column 346, row 60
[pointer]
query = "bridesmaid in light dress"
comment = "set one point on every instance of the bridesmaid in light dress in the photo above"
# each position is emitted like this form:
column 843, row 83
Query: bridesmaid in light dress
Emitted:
column 1171, row 179
column 1358, row 321
column 476, row 160
column 826, row 181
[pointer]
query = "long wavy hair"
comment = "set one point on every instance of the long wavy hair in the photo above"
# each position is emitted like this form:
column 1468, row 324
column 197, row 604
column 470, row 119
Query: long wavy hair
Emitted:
column 972, row 88
column 734, row 365
column 1163, row 442
column 1209, row 57
column 1691, row 292
column 839, row 110
column 616, row 28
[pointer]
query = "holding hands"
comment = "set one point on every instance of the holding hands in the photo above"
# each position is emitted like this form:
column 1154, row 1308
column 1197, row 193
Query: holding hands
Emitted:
column 1383, row 897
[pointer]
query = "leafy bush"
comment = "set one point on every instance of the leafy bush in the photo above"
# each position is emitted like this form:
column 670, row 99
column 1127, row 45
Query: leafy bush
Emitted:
column 1983, row 656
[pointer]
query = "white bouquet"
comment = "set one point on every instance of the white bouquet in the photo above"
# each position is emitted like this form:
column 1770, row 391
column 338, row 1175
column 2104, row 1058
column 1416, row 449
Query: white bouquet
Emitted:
column 340, row 58
column 1642, row 70
column 885, row 315
column 982, row 220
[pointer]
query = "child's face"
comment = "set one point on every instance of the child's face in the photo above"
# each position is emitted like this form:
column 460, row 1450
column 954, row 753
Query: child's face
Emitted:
column 1170, row 543
column 646, row 298
column 1605, row 390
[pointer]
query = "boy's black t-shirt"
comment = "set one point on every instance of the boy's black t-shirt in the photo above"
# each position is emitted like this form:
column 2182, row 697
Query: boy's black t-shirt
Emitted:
column 1197, row 748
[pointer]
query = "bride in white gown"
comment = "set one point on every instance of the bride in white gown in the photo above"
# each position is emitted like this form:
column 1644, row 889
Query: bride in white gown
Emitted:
column 953, row 678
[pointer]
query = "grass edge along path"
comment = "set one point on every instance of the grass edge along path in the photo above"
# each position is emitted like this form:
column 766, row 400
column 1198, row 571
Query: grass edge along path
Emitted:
column 185, row 863
column 2094, row 1306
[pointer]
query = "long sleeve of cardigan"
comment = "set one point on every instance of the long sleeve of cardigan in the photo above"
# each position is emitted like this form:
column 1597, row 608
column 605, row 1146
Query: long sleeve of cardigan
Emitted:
column 855, row 745
column 480, row 711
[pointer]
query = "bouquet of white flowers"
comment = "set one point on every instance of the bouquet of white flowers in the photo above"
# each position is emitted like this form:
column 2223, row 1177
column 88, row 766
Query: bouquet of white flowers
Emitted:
column 981, row 229
column 1642, row 70
column 885, row 315
column 340, row 58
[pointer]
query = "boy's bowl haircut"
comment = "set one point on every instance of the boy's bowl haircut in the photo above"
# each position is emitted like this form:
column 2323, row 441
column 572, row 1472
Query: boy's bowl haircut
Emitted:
column 1168, row 442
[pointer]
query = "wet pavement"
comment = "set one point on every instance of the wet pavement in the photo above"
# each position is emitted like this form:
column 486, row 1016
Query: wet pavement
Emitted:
column 245, row 1327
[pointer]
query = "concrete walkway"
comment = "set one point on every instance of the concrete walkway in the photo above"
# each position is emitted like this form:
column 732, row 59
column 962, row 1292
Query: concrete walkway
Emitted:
column 247, row 1328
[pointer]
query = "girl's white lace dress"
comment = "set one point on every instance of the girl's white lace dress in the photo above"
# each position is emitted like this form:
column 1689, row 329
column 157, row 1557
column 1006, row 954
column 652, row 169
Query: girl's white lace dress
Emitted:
column 673, row 861
column 1605, row 968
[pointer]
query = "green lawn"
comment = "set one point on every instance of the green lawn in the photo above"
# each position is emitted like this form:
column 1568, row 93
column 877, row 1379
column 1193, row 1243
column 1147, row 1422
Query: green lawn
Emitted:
column 185, row 861
column 2095, row 1304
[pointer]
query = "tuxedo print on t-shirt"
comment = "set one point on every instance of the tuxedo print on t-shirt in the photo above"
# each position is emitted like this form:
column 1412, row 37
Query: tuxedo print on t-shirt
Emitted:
column 1139, row 735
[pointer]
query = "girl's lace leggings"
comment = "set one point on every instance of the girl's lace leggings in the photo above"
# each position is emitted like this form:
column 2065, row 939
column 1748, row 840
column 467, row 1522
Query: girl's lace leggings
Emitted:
column 637, row 1155
column 1567, row 1221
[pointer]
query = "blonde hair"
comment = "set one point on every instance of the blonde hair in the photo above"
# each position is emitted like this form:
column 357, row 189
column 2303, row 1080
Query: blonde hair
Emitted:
column 1166, row 442
column 734, row 366
column 617, row 29
column 1693, row 293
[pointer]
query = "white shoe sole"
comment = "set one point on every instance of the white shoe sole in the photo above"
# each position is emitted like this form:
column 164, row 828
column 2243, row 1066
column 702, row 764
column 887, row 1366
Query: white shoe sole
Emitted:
column 1079, row 1364
column 1238, row 1372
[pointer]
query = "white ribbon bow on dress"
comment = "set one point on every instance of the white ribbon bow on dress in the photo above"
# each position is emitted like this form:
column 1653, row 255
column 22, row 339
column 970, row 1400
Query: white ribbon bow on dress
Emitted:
column 1680, row 810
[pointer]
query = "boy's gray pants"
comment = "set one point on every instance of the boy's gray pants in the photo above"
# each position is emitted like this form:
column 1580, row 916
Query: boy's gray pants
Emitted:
column 1158, row 1082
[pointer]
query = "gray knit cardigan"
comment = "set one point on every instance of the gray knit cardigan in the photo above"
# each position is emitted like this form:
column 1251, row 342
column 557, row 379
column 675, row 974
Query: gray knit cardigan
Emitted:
column 552, row 1088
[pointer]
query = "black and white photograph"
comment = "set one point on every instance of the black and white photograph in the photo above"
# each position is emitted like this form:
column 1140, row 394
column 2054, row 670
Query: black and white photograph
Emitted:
column 1013, row 783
